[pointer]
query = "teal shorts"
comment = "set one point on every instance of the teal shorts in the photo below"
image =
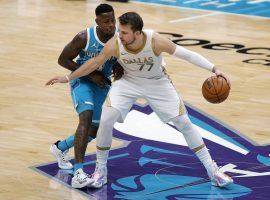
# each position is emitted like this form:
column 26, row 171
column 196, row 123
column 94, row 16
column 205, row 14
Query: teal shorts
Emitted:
column 86, row 95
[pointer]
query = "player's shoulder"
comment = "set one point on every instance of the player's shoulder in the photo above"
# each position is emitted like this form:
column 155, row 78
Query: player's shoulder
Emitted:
column 82, row 35
column 149, row 31
column 154, row 34
column 113, row 40
column 79, row 40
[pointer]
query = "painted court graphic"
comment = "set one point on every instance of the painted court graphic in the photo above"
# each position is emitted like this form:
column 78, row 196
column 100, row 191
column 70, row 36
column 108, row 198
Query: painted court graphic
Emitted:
column 249, row 7
column 155, row 162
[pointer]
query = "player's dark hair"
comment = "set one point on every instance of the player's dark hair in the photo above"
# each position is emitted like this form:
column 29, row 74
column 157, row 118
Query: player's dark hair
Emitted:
column 133, row 19
column 103, row 8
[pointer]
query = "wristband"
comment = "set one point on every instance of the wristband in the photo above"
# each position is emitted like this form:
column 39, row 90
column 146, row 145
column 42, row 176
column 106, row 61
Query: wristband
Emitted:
column 67, row 78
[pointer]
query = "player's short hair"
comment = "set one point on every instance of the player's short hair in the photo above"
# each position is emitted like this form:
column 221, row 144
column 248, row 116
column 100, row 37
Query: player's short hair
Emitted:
column 133, row 19
column 103, row 8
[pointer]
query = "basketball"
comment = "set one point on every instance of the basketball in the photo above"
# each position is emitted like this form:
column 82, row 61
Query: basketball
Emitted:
column 215, row 89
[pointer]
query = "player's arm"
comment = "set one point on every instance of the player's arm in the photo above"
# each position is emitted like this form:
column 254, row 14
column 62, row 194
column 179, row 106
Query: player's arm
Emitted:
column 72, row 50
column 163, row 44
column 92, row 64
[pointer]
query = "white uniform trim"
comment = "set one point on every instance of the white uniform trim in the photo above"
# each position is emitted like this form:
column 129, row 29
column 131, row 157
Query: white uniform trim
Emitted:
column 96, row 36
column 88, row 102
column 88, row 39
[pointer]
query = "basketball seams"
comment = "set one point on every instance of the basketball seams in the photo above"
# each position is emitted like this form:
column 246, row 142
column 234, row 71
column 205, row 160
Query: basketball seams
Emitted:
column 206, row 90
column 215, row 88
column 226, row 89
column 221, row 88
column 224, row 95
column 218, row 91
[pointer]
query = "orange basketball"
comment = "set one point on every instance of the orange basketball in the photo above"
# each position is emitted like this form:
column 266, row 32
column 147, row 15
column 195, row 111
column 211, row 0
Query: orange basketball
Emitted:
column 215, row 89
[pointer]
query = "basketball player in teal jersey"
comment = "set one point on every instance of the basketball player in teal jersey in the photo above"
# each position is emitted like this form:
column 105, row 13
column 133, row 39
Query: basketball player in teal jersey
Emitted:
column 88, row 92
column 139, row 51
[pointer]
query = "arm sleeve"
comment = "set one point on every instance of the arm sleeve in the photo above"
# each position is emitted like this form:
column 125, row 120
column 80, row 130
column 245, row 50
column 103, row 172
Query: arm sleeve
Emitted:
column 193, row 58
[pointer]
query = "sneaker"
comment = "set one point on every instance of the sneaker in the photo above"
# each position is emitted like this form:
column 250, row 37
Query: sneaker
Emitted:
column 218, row 178
column 99, row 177
column 61, row 157
column 81, row 179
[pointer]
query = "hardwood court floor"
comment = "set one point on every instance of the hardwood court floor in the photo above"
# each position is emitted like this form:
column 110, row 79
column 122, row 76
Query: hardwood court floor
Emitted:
column 32, row 35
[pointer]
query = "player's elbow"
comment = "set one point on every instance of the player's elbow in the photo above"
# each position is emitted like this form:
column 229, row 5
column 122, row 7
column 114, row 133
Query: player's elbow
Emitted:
column 61, row 61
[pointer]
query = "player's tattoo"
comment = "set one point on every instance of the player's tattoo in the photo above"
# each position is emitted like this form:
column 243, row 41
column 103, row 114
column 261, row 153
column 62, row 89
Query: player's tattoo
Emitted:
column 81, row 135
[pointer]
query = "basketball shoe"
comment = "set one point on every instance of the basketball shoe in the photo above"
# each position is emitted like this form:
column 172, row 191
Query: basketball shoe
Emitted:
column 99, row 176
column 218, row 178
column 61, row 157
column 80, row 179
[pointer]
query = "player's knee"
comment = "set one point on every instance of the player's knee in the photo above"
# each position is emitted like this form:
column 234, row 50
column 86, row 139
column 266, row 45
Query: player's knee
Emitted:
column 109, row 116
column 182, row 122
column 85, row 120
column 92, row 132
column 93, row 135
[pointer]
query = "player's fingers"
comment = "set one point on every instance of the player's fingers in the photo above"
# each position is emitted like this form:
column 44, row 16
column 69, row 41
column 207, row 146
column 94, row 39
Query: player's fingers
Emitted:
column 229, row 82
column 222, row 75
column 227, row 79
column 51, row 81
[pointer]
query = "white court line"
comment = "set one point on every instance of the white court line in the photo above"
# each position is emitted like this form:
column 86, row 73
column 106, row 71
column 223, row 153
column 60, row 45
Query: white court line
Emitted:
column 196, row 17
column 198, row 9
column 170, row 1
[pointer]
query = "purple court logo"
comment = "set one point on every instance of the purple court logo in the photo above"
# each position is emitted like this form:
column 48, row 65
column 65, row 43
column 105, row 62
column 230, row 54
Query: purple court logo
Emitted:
column 155, row 162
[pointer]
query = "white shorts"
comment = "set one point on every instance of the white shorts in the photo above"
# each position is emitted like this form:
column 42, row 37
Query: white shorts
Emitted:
column 160, row 95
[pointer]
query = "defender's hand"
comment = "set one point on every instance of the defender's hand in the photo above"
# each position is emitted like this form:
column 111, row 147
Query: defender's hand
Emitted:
column 58, row 79
column 98, row 78
column 118, row 71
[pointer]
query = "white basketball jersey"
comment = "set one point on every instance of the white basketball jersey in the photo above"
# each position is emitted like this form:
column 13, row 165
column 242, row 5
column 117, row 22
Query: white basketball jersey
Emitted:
column 143, row 63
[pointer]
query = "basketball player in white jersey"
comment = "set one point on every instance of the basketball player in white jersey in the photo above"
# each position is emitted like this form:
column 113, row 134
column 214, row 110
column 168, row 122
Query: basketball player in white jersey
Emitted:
column 140, row 54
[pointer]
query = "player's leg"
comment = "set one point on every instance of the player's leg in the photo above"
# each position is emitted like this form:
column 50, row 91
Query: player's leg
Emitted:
column 196, row 144
column 60, row 148
column 66, row 144
column 104, row 139
column 168, row 105
column 83, row 98
column 80, row 178
column 118, row 103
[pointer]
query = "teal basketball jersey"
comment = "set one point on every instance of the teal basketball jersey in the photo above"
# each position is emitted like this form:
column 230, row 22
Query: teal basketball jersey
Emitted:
column 92, row 49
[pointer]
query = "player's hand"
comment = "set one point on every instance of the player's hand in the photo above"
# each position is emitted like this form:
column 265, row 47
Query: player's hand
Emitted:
column 57, row 79
column 219, row 73
column 118, row 71
column 98, row 78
